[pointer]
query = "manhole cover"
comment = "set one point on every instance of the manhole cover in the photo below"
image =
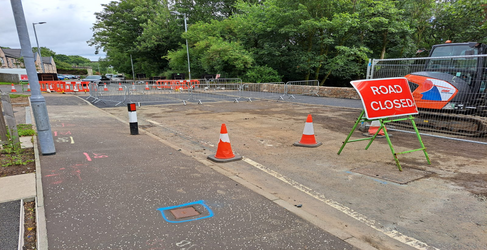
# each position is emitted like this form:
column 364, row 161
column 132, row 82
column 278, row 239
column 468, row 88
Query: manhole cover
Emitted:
column 392, row 174
column 184, row 212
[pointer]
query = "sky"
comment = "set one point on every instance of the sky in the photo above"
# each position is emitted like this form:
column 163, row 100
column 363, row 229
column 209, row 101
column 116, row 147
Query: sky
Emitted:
column 67, row 28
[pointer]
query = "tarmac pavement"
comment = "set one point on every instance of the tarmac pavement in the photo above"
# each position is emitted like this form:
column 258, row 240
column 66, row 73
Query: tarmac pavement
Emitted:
column 107, row 189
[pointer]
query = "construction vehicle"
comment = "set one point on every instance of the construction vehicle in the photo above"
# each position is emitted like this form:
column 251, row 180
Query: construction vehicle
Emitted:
column 450, row 91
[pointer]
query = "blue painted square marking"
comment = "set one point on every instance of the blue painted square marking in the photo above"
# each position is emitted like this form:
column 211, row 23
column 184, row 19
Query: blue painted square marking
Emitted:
column 201, row 203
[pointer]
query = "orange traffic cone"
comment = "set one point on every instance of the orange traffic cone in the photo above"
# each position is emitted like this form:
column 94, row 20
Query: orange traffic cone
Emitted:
column 133, row 86
column 224, row 152
column 374, row 126
column 308, row 139
column 120, row 87
column 147, row 86
column 105, row 87
column 28, row 87
column 13, row 89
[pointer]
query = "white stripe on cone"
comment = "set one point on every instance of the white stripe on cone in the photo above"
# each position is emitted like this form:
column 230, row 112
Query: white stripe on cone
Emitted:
column 308, row 129
column 224, row 138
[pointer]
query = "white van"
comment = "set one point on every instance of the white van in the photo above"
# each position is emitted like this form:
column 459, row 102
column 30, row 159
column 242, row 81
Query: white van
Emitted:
column 21, row 72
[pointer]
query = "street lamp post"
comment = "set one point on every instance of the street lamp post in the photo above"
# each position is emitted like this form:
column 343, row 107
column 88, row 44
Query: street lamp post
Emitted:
column 38, row 103
column 187, row 48
column 38, row 48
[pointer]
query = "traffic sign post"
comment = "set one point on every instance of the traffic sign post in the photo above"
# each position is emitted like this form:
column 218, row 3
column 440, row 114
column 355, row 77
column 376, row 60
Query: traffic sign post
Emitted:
column 382, row 100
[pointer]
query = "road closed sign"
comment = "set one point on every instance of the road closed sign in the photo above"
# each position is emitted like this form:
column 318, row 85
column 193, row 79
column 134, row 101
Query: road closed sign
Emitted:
column 388, row 97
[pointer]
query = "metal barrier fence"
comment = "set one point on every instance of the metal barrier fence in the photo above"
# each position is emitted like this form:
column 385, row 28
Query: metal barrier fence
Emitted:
column 442, row 111
column 296, row 90
column 107, row 93
column 462, row 126
column 200, row 90
column 267, row 91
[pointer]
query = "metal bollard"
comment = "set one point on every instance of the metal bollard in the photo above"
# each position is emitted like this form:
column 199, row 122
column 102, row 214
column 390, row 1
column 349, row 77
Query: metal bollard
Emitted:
column 134, row 127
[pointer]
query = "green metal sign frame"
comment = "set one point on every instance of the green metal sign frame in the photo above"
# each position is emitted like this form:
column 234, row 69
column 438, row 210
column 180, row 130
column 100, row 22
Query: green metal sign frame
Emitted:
column 383, row 121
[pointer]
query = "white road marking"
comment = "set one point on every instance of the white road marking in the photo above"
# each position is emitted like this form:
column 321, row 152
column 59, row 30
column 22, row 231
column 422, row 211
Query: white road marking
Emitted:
column 346, row 210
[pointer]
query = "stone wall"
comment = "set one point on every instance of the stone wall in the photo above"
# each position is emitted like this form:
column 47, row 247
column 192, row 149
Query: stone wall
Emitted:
column 14, row 78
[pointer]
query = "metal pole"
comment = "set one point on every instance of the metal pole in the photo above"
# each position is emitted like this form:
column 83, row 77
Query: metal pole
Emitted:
column 38, row 102
column 132, row 62
column 187, row 48
column 38, row 48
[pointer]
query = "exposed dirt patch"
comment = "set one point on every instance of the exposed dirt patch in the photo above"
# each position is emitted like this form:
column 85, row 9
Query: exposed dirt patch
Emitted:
column 21, row 101
column 474, row 183
column 14, row 164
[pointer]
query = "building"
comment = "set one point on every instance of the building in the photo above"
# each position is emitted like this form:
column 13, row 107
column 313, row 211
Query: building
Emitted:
column 12, row 58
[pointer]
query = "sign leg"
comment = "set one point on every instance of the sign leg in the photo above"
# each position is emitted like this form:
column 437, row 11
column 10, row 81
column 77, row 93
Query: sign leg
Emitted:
column 390, row 146
column 420, row 140
column 351, row 132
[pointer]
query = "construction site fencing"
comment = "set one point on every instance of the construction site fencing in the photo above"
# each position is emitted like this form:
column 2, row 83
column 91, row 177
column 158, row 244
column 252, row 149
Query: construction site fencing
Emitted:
column 297, row 90
column 465, row 116
column 108, row 94
column 268, row 91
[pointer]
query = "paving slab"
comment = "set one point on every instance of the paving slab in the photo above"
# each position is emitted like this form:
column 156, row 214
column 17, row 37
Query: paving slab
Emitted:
column 107, row 189
column 17, row 187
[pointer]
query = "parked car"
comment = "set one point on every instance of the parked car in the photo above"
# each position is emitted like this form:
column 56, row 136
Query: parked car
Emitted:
column 100, row 80
column 117, row 78
column 71, row 77
column 60, row 77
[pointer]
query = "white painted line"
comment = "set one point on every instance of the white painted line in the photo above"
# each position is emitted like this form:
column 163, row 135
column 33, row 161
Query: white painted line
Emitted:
column 394, row 234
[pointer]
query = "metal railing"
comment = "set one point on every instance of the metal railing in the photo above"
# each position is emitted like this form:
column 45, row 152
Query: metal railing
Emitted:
column 460, row 125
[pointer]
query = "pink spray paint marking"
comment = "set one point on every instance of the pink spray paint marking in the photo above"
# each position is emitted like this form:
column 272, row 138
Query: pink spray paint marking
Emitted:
column 58, row 176
column 87, row 156
column 95, row 155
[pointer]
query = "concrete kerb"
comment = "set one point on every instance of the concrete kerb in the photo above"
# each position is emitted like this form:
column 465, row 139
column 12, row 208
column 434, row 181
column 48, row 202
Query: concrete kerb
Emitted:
column 339, row 233
column 41, row 226
column 42, row 243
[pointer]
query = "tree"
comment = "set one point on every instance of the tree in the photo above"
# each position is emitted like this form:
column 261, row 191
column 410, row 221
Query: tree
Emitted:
column 460, row 21
column 118, row 29
column 212, row 53
column 45, row 52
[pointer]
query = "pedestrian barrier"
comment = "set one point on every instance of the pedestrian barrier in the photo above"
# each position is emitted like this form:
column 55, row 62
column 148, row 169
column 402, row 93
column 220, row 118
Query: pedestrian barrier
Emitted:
column 62, row 86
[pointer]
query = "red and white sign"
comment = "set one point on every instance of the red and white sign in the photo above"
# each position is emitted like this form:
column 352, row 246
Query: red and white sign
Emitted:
column 386, row 97
column 24, row 77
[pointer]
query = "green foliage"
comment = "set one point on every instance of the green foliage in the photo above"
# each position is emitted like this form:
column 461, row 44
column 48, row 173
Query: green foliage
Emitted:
column 25, row 130
column 13, row 152
column 262, row 74
column 461, row 21
column 45, row 52
column 325, row 40
column 12, row 96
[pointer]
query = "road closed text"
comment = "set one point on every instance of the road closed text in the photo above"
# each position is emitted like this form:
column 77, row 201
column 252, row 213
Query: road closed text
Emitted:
column 389, row 104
